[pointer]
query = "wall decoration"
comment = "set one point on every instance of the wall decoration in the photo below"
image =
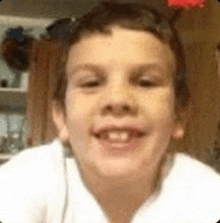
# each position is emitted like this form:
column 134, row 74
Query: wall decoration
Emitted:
column 16, row 48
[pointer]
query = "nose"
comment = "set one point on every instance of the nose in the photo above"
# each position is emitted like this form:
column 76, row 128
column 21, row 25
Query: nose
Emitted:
column 119, row 102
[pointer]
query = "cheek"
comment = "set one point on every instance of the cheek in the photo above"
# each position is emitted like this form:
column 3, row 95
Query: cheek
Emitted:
column 160, row 117
column 77, row 121
column 78, row 132
column 160, row 113
column 161, row 107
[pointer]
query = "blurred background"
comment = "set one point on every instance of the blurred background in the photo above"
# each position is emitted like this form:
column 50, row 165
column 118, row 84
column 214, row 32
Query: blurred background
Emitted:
column 25, row 92
column 60, row 8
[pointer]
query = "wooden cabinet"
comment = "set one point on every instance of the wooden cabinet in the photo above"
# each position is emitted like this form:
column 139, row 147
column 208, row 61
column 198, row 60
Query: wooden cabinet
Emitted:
column 46, row 56
column 200, row 30
column 36, row 100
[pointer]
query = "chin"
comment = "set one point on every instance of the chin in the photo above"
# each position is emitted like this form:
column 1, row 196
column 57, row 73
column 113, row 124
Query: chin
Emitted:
column 118, row 168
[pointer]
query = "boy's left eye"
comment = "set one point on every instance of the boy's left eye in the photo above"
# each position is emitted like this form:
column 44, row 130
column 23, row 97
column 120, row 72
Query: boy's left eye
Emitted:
column 90, row 84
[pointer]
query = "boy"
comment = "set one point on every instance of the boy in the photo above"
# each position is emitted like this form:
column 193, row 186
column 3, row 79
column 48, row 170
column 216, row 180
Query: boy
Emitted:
column 119, row 102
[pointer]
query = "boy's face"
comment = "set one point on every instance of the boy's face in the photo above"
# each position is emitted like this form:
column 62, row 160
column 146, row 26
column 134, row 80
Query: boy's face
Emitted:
column 131, row 69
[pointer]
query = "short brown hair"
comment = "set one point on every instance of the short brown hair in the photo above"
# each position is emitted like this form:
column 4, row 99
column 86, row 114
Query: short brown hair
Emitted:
column 131, row 16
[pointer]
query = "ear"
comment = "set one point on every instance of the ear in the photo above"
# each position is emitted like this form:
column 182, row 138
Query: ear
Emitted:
column 181, row 120
column 59, row 119
column 178, row 130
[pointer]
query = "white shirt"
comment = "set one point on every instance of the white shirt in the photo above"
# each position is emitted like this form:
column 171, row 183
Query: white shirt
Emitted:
column 41, row 185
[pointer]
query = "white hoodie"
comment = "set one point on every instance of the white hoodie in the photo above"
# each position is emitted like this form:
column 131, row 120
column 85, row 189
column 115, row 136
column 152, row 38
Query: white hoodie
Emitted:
column 41, row 185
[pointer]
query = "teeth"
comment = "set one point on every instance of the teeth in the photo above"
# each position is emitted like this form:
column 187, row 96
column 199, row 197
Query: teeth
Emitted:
column 118, row 136
column 115, row 136
column 125, row 136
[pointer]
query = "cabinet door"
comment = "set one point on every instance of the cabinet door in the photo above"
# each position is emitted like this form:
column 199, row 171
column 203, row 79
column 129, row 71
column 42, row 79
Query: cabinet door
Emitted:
column 41, row 83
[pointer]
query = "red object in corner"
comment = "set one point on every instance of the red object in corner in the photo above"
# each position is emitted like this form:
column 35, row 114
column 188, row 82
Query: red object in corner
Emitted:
column 186, row 4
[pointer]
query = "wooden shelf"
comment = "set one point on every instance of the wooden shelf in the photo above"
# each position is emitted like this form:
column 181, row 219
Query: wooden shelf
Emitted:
column 13, row 97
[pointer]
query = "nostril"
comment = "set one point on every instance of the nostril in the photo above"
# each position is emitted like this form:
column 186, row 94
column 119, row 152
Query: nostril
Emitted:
column 140, row 134
column 97, row 136
column 126, row 108
column 108, row 108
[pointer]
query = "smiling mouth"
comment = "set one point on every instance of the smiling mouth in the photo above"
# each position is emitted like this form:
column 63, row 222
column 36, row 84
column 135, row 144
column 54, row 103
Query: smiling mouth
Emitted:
column 119, row 137
column 130, row 142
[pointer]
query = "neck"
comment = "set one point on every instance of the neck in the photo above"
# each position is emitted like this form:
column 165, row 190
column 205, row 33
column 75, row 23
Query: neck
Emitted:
column 119, row 197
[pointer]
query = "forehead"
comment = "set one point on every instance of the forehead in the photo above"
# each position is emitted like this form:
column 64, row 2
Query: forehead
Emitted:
column 123, row 47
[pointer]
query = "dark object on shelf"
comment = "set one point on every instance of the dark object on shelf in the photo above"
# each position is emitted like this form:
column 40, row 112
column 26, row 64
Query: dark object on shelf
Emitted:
column 16, row 48
column 4, row 83
column 60, row 29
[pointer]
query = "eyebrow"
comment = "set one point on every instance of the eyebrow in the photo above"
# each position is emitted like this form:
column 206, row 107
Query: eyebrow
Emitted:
column 92, row 67
column 136, row 69
column 141, row 68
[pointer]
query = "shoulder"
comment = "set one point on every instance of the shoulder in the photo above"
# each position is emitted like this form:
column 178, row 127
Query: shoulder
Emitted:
column 192, row 187
column 36, row 157
column 36, row 165
column 25, row 181
column 194, row 176
column 192, row 170
column 33, row 155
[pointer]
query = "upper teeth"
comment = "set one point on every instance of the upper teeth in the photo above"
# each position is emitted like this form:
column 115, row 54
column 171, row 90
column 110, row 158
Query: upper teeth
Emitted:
column 119, row 135
column 122, row 136
column 116, row 136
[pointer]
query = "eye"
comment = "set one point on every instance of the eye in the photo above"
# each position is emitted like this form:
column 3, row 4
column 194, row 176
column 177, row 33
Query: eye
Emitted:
column 90, row 84
column 146, row 83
